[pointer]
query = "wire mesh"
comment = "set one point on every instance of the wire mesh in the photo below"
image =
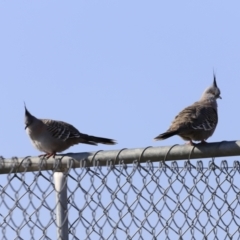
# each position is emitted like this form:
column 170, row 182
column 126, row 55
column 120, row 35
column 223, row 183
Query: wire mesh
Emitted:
column 190, row 199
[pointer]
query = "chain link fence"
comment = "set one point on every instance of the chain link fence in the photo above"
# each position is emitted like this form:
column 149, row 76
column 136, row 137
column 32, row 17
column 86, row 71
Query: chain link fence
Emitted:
column 134, row 198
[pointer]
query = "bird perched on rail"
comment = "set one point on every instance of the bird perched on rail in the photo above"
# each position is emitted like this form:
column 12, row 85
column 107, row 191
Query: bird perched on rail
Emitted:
column 50, row 136
column 198, row 121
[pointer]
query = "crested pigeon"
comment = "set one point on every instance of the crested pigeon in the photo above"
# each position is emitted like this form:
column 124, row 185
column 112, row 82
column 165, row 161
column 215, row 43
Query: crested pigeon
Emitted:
column 50, row 136
column 198, row 121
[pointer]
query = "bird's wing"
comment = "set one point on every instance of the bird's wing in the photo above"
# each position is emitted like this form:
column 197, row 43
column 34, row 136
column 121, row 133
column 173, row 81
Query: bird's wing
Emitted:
column 61, row 130
column 196, row 117
column 206, row 118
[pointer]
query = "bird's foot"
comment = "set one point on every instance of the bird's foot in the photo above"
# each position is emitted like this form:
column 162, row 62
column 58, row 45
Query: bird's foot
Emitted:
column 191, row 143
column 48, row 155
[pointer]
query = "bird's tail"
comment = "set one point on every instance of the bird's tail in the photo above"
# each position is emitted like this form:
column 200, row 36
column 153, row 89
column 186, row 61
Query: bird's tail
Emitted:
column 166, row 135
column 95, row 140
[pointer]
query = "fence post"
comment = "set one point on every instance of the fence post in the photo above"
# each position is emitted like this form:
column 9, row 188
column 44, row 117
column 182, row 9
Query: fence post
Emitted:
column 60, row 180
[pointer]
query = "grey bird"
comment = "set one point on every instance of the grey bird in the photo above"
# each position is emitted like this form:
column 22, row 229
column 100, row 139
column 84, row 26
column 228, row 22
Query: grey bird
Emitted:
column 50, row 136
column 198, row 121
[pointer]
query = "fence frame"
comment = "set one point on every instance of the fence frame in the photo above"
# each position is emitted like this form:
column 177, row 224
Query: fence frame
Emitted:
column 62, row 163
column 103, row 158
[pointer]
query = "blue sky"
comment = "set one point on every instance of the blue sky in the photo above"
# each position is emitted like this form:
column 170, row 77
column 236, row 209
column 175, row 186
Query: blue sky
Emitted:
column 116, row 69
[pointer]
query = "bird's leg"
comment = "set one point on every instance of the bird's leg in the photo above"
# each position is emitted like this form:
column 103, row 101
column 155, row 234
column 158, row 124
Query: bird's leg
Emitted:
column 51, row 155
column 191, row 143
column 48, row 155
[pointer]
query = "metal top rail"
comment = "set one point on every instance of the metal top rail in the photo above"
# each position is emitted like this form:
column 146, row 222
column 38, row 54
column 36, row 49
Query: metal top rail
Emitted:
column 106, row 158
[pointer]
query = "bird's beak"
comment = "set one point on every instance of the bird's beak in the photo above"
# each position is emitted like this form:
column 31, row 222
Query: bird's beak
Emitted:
column 220, row 97
column 26, row 127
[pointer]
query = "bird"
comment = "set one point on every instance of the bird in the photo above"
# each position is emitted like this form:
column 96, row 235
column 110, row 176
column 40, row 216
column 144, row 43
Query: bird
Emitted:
column 198, row 121
column 51, row 136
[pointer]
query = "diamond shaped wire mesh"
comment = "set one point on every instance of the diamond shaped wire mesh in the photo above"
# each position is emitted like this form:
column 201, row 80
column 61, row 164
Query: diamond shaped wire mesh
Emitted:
column 161, row 200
